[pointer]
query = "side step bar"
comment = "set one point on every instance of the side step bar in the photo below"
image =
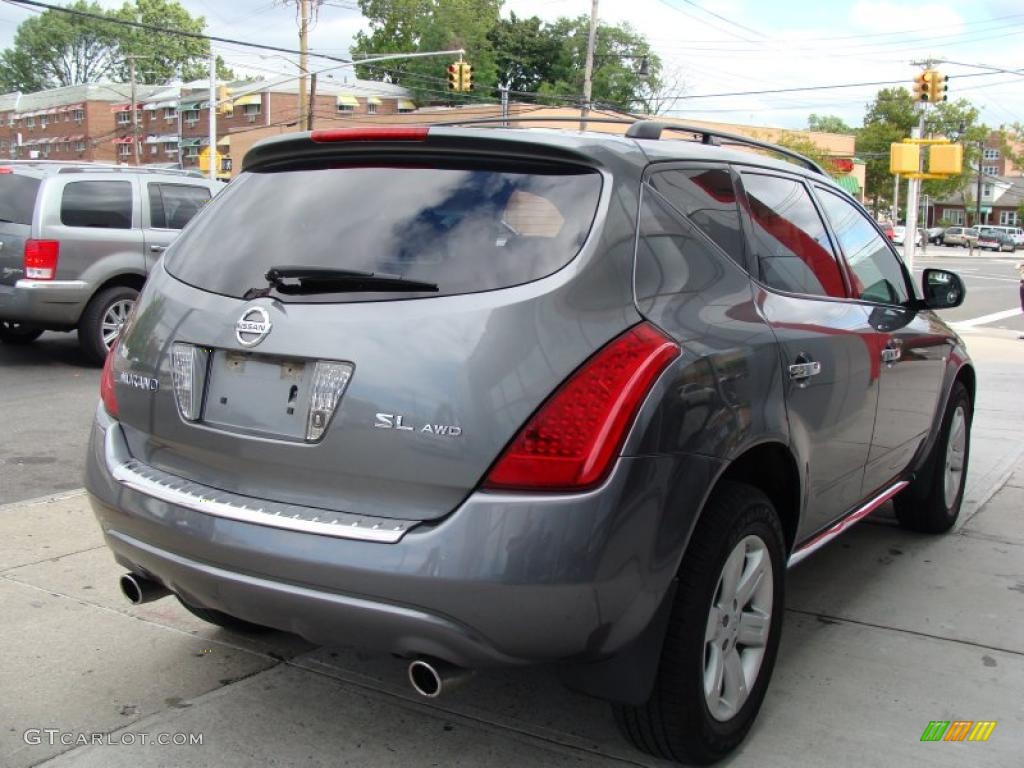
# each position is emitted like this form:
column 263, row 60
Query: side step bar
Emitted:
column 838, row 527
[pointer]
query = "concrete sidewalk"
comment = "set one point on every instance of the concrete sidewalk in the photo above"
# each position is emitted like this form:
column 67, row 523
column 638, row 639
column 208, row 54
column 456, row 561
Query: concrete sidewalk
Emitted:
column 885, row 631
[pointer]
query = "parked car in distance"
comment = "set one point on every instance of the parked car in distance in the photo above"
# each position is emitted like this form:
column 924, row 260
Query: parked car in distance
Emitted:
column 886, row 229
column 78, row 239
column 899, row 234
column 991, row 239
column 1015, row 233
column 954, row 236
column 935, row 234
column 490, row 397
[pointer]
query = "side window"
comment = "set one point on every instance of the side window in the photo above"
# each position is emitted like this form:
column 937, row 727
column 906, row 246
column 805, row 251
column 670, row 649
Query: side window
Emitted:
column 789, row 238
column 106, row 204
column 875, row 271
column 172, row 206
column 706, row 196
column 671, row 256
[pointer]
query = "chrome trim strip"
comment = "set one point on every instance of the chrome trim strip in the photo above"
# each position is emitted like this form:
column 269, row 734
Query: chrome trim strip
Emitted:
column 133, row 474
column 29, row 284
column 840, row 526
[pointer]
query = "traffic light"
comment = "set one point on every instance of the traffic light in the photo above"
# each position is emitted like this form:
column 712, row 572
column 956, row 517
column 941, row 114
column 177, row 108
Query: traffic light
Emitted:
column 224, row 104
column 904, row 158
column 946, row 158
column 938, row 86
column 467, row 75
column 921, row 86
column 455, row 76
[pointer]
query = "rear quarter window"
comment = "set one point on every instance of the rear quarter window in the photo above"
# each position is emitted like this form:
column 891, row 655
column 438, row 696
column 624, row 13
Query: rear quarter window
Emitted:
column 172, row 206
column 17, row 198
column 465, row 229
column 100, row 204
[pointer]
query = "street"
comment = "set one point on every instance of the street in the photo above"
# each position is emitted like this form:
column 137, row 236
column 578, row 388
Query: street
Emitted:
column 885, row 630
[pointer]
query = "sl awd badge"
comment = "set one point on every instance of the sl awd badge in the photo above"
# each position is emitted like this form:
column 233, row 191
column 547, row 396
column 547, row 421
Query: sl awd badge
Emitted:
column 252, row 327
column 395, row 421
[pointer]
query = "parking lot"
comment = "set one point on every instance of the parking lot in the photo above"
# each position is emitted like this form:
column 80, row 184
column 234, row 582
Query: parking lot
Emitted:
column 885, row 630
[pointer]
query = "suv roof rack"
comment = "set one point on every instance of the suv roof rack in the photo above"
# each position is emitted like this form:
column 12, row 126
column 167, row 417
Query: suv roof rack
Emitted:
column 88, row 166
column 650, row 129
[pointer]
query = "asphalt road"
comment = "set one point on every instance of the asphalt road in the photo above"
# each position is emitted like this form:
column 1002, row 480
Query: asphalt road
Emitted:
column 48, row 391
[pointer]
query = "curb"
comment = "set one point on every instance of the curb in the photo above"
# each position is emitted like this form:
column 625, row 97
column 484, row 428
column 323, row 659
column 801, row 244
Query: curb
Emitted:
column 53, row 498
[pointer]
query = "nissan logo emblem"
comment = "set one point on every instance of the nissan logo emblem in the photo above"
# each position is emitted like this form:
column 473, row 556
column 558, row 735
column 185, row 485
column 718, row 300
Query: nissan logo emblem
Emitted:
column 252, row 327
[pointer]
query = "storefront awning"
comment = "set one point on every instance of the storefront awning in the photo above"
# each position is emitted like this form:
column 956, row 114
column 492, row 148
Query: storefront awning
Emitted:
column 248, row 99
column 190, row 106
column 124, row 107
column 224, row 141
column 190, row 142
column 849, row 183
column 76, row 137
column 123, row 140
column 347, row 100
column 406, row 104
column 163, row 139
column 374, row 100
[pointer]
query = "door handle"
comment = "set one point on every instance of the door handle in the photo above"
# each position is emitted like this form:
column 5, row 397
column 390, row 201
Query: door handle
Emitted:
column 891, row 354
column 801, row 370
column 157, row 248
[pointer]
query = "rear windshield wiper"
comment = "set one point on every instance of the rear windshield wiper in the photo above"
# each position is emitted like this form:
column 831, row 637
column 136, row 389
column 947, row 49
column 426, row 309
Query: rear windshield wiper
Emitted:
column 298, row 281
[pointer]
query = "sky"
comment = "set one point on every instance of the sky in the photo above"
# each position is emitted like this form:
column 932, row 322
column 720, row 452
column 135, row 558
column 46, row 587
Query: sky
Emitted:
column 712, row 47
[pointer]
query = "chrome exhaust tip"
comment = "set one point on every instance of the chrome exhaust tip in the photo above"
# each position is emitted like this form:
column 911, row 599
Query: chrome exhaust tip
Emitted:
column 138, row 589
column 432, row 677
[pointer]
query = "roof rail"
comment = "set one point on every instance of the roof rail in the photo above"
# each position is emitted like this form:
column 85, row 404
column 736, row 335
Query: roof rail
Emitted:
column 89, row 166
column 649, row 129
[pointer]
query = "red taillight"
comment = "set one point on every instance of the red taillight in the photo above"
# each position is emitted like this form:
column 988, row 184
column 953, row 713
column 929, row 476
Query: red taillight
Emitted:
column 393, row 133
column 41, row 259
column 6, row 170
column 570, row 443
column 108, row 394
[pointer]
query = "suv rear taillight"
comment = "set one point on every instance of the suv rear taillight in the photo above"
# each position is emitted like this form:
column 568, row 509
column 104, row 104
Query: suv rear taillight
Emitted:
column 569, row 444
column 41, row 259
column 108, row 394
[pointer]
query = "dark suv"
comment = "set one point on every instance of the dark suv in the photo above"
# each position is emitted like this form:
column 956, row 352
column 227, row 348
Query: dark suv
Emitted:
column 482, row 396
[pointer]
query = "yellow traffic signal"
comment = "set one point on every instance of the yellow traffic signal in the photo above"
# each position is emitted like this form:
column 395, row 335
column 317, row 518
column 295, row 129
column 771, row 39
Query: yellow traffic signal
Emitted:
column 224, row 104
column 904, row 158
column 946, row 158
column 467, row 75
column 938, row 86
column 455, row 76
column 921, row 86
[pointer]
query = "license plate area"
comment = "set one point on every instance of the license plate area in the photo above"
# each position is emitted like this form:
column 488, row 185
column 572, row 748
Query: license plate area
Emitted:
column 259, row 394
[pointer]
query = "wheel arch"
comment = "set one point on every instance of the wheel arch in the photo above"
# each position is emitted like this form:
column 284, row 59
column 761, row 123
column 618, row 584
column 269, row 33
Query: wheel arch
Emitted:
column 772, row 468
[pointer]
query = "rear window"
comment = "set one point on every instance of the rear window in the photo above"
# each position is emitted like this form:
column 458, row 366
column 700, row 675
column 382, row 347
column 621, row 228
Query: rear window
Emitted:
column 17, row 198
column 463, row 229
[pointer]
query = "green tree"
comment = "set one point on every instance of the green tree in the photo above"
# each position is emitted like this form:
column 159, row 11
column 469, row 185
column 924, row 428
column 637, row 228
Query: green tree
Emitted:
column 526, row 54
column 56, row 48
column 618, row 54
column 827, row 124
column 888, row 119
column 407, row 26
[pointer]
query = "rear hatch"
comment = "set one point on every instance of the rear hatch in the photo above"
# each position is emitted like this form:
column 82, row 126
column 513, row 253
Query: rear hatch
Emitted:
column 18, row 193
column 366, row 333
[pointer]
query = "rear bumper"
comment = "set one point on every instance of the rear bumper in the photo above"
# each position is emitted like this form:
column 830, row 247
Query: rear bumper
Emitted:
column 505, row 579
column 55, row 304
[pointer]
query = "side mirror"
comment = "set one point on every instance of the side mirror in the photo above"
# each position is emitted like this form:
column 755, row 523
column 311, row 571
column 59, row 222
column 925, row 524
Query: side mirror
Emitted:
column 942, row 289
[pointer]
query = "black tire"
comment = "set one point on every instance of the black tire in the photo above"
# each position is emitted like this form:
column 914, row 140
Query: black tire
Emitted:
column 15, row 333
column 924, row 505
column 676, row 722
column 222, row 619
column 90, row 325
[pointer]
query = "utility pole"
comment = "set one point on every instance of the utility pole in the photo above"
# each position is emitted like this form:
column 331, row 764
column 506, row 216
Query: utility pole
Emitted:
column 312, row 101
column 135, row 114
column 588, row 72
column 913, row 193
column 212, row 163
column 303, row 46
column 896, row 201
column 503, row 90
column 977, row 203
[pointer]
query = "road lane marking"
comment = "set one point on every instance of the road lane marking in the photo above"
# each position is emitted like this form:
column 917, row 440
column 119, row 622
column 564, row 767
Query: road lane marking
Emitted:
column 991, row 318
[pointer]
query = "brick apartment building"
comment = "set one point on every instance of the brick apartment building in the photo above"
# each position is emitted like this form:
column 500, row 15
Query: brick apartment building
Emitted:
column 94, row 121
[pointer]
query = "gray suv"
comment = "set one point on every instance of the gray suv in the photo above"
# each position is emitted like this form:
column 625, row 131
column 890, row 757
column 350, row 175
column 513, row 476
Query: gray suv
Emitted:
column 481, row 397
column 77, row 240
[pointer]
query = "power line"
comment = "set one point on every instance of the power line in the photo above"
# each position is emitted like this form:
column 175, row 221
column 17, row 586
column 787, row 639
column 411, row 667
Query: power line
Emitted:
column 809, row 88
column 723, row 18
